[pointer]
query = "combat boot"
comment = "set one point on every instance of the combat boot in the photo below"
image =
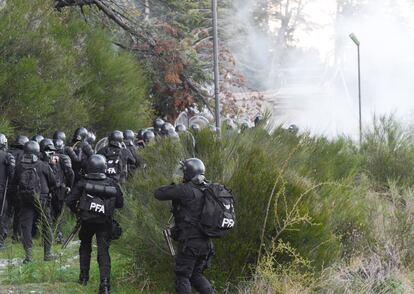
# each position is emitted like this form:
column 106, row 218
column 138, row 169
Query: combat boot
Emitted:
column 104, row 288
column 59, row 238
column 48, row 256
column 83, row 278
column 29, row 256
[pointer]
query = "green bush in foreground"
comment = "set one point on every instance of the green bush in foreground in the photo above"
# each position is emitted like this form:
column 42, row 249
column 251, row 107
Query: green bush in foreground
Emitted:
column 304, row 206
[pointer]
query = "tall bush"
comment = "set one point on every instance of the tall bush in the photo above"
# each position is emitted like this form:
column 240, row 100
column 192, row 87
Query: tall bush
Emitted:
column 56, row 71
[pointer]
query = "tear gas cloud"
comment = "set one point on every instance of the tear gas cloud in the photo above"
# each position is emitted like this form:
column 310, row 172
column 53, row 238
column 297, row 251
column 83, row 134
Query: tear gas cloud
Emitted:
column 317, row 87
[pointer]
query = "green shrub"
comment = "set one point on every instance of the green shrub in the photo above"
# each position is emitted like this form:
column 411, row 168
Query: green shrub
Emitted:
column 56, row 71
column 279, row 196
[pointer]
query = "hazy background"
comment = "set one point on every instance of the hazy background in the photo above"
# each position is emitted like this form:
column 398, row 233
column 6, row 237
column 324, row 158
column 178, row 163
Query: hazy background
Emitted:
column 312, row 77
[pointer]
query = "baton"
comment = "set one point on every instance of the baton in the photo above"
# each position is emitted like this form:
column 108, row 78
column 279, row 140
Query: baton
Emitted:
column 72, row 234
column 167, row 236
column 4, row 197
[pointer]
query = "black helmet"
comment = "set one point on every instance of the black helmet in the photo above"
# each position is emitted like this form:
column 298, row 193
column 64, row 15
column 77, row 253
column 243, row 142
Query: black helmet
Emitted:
column 80, row 134
column 59, row 135
column 148, row 136
column 20, row 141
column 38, row 138
column 192, row 167
column 166, row 127
column 195, row 127
column 140, row 134
column 3, row 141
column 116, row 138
column 129, row 136
column 96, row 164
column 158, row 123
column 180, row 128
column 258, row 120
column 59, row 144
column 173, row 134
column 91, row 137
column 47, row 145
column 244, row 125
column 32, row 148
column 293, row 129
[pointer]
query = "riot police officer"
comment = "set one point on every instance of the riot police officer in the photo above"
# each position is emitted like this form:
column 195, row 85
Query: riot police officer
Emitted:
column 194, row 248
column 59, row 135
column 62, row 168
column 35, row 181
column 118, row 158
column 16, row 149
column 94, row 199
column 148, row 136
column 7, row 166
column 129, row 137
column 91, row 138
column 195, row 128
column 157, row 125
column 82, row 151
column 139, row 142
column 37, row 138
column 180, row 128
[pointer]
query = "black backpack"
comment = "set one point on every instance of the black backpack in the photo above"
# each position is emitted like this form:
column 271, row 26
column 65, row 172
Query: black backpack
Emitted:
column 115, row 164
column 29, row 184
column 95, row 209
column 218, row 215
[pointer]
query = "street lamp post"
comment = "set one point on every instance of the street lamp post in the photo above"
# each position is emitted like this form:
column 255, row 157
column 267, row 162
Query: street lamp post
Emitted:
column 357, row 43
column 216, row 66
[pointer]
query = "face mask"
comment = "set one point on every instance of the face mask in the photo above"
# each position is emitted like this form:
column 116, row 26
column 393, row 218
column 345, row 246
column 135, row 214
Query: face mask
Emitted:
column 198, row 179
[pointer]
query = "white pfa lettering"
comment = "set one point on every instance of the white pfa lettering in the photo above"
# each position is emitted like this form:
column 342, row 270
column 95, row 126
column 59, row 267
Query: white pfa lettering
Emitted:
column 97, row 207
column 111, row 171
column 227, row 223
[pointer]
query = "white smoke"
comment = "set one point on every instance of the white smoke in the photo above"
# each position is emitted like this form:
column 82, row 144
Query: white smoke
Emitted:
column 321, row 95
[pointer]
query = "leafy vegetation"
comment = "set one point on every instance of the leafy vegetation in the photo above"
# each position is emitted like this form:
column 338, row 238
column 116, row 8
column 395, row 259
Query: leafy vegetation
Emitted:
column 310, row 211
column 58, row 72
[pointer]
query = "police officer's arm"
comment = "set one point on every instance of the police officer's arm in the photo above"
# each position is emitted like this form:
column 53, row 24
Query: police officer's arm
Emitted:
column 119, row 203
column 74, row 196
column 16, row 178
column 87, row 149
column 130, row 159
column 169, row 192
column 68, row 171
column 11, row 166
column 72, row 155
column 50, row 177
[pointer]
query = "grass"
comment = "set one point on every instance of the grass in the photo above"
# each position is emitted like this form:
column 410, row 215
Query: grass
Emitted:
column 61, row 275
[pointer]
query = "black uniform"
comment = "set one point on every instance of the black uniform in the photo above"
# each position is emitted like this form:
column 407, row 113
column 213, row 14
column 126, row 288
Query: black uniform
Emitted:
column 194, row 248
column 7, row 166
column 61, row 166
column 13, row 206
column 79, row 155
column 99, row 226
column 28, row 211
column 119, row 171
column 138, row 160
